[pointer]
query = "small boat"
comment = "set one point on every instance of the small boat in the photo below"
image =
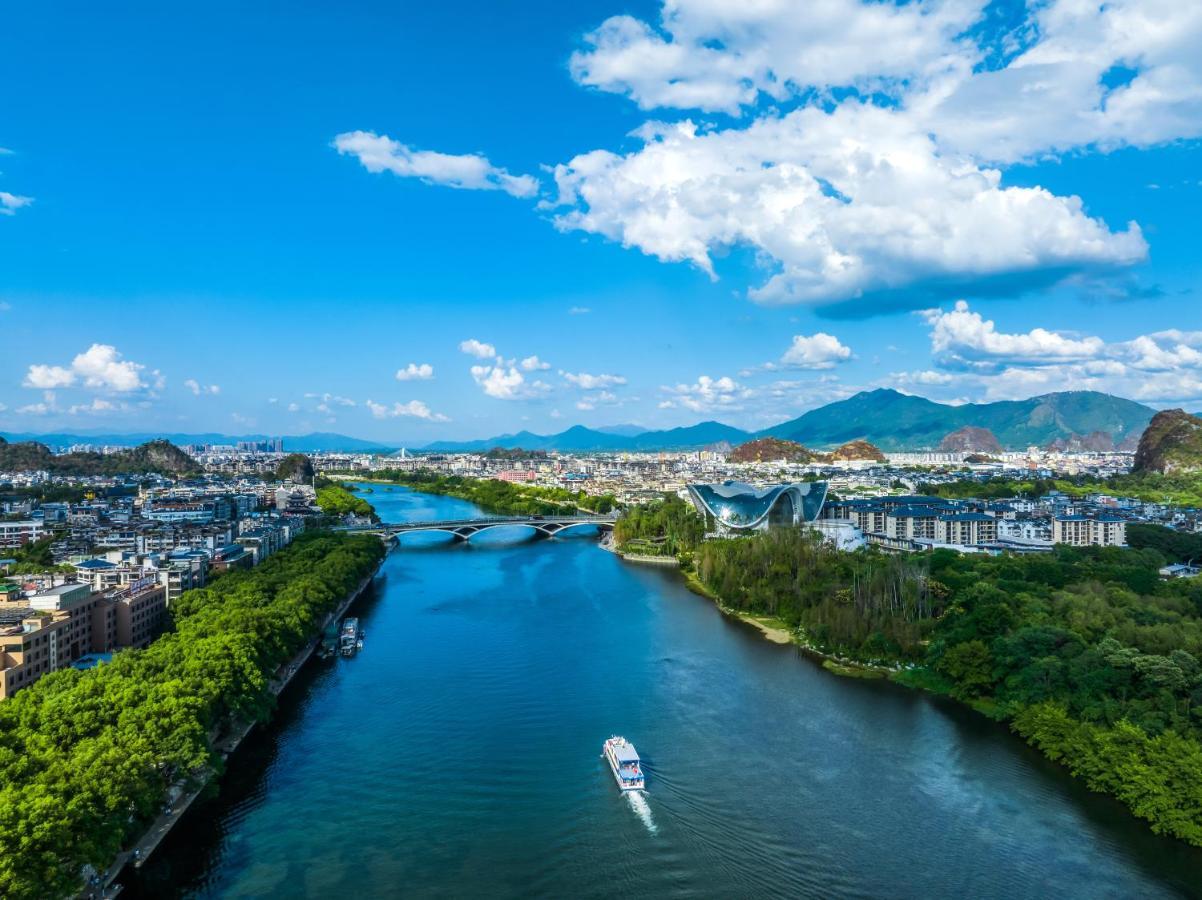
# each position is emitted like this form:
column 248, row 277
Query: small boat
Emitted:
column 624, row 761
column 349, row 640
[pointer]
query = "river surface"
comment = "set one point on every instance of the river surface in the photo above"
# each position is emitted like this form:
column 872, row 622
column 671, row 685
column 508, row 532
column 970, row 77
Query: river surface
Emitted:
column 458, row 756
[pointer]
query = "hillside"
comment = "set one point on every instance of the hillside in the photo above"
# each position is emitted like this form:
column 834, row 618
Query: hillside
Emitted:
column 154, row 456
column 1171, row 444
column 970, row 439
column 770, row 450
column 857, row 450
column 896, row 421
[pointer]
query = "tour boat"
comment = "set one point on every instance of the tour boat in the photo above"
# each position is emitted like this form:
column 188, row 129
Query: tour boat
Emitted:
column 624, row 761
column 350, row 636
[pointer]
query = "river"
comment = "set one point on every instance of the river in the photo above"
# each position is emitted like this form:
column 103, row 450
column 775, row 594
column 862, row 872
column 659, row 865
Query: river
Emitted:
column 458, row 755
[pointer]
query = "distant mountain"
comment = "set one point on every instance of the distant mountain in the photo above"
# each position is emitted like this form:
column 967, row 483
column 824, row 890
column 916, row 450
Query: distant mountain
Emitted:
column 314, row 442
column 623, row 430
column 1171, row 444
column 896, row 421
column 579, row 439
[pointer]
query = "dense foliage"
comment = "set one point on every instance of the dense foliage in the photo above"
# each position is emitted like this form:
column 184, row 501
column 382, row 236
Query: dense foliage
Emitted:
column 1086, row 651
column 667, row 527
column 1176, row 489
column 335, row 500
column 1174, row 546
column 33, row 557
column 87, row 758
column 500, row 497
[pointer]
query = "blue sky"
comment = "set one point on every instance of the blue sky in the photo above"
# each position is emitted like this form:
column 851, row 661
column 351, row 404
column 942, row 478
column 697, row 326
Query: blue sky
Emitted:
column 229, row 220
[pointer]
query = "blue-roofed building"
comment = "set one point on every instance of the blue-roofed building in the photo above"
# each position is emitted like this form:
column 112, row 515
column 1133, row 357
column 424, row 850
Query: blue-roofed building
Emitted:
column 732, row 507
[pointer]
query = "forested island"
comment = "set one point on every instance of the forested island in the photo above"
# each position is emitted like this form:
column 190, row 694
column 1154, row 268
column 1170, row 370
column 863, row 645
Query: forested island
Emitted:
column 1085, row 652
column 493, row 495
column 87, row 758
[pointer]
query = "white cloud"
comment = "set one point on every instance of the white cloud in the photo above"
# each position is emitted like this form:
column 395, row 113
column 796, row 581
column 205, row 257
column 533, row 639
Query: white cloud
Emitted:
column 197, row 388
column 413, row 409
column 534, row 364
column 415, row 372
column 380, row 153
column 10, row 203
column 817, row 351
column 585, row 405
column 707, row 394
column 722, row 56
column 579, row 311
column 98, row 406
column 100, row 367
column 587, row 382
column 837, row 205
column 478, row 349
column 293, row 407
column 505, row 382
column 48, row 377
column 964, row 336
column 1163, row 367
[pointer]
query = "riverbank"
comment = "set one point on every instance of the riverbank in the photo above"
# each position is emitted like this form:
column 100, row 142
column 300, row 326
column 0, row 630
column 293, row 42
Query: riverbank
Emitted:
column 235, row 733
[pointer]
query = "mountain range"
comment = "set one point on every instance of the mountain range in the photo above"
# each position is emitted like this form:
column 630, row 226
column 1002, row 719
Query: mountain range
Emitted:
column 888, row 419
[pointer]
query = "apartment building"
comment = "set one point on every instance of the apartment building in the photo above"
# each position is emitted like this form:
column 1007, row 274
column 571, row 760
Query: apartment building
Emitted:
column 966, row 529
column 1086, row 531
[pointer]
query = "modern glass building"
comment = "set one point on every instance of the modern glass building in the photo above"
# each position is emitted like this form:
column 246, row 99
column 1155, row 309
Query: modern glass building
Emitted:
column 732, row 506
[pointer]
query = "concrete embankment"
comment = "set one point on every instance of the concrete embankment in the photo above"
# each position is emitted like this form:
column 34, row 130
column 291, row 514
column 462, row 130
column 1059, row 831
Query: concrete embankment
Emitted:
column 140, row 851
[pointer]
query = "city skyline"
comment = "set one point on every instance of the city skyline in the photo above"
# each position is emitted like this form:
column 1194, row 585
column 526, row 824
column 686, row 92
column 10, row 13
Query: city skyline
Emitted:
column 592, row 215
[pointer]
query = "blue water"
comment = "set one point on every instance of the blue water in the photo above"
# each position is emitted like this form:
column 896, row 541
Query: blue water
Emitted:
column 458, row 755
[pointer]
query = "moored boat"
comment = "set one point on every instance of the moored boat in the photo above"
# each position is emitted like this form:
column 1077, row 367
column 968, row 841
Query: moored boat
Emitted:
column 624, row 761
column 329, row 640
column 349, row 640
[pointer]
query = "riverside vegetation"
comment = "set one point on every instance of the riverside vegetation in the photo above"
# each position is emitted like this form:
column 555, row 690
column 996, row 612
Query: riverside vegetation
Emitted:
column 88, row 758
column 496, row 496
column 1084, row 651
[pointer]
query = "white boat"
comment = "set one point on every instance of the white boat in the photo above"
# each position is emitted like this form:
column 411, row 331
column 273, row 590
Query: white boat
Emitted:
column 624, row 761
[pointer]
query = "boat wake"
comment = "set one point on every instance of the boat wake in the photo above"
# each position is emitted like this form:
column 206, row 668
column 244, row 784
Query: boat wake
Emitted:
column 641, row 809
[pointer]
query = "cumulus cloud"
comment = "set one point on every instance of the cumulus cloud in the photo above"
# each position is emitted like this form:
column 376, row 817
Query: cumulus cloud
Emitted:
column 817, row 351
column 478, row 349
column 1164, row 366
column 504, row 381
column 706, row 395
column 380, row 153
column 579, row 311
column 197, row 388
column 723, row 56
column 100, row 368
column 414, row 409
column 534, row 364
column 838, row 205
column 587, row 382
column 10, row 203
column 415, row 372
column 962, row 336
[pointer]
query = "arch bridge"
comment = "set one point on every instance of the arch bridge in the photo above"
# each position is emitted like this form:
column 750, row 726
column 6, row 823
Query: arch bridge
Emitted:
column 465, row 529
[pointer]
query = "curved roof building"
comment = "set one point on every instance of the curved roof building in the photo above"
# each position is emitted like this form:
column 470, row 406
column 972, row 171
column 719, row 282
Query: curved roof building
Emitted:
column 735, row 506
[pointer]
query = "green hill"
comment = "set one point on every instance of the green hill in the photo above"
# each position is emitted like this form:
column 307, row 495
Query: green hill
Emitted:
column 1171, row 444
column 896, row 421
column 154, row 456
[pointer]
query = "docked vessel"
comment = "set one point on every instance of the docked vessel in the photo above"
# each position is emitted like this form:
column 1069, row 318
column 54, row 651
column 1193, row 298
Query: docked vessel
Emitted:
column 624, row 762
column 349, row 641
column 329, row 640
